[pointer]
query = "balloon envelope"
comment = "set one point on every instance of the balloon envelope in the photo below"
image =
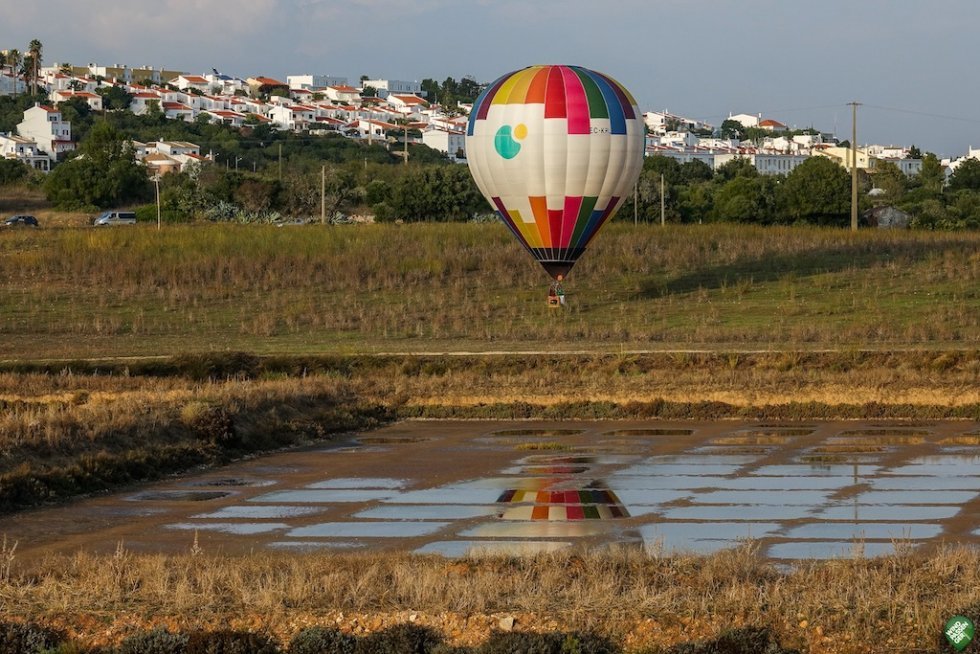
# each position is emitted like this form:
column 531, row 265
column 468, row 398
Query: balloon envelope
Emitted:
column 555, row 149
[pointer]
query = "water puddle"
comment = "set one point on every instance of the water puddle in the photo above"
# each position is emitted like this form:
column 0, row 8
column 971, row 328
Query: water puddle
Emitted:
column 898, row 483
column 538, row 432
column 178, row 496
column 537, row 529
column 739, row 512
column 941, row 466
column 680, row 469
column 360, row 482
column 237, row 528
column 831, row 550
column 381, row 529
column 445, row 495
column 323, row 496
column 765, row 497
column 886, row 431
column 312, row 546
column 653, row 497
column 857, row 512
column 427, row 512
column 915, row 497
column 457, row 549
column 650, row 432
column 231, row 482
column 388, row 440
column 686, row 482
column 259, row 512
column 859, row 531
column 818, row 469
column 751, row 482
column 703, row 538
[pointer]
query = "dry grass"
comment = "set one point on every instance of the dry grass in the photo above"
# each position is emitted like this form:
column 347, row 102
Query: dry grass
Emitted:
column 640, row 599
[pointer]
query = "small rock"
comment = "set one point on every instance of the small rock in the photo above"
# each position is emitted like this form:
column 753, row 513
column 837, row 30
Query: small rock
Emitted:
column 506, row 624
column 413, row 617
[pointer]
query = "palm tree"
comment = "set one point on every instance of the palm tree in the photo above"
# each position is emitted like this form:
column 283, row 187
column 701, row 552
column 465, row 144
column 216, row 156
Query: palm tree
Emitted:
column 13, row 60
column 34, row 48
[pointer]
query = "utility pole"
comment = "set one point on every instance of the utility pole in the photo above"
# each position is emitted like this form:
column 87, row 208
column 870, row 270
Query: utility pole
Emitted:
column 323, row 195
column 406, row 141
column 663, row 213
column 280, row 162
column 156, row 182
column 854, row 166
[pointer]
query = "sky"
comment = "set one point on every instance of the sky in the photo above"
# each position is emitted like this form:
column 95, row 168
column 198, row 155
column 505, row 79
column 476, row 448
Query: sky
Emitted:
column 912, row 64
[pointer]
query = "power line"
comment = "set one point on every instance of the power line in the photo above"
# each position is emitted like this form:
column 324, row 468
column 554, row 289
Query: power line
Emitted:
column 923, row 113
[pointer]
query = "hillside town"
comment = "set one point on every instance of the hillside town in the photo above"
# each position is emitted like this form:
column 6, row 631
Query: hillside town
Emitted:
column 382, row 110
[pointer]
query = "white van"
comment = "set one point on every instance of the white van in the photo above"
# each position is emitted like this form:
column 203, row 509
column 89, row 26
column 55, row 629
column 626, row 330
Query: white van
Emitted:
column 116, row 218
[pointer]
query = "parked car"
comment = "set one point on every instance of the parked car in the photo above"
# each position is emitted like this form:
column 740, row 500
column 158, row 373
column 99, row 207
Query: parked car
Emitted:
column 116, row 218
column 21, row 221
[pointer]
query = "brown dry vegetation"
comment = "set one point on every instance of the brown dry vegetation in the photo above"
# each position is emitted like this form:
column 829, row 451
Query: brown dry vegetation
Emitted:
column 639, row 599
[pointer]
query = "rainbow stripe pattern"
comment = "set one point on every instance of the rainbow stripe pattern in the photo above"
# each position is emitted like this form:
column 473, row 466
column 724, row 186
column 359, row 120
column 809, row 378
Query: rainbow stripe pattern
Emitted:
column 562, row 505
column 555, row 149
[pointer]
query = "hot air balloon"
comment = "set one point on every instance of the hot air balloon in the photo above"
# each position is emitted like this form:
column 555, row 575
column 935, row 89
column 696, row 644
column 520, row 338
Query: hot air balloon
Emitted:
column 555, row 149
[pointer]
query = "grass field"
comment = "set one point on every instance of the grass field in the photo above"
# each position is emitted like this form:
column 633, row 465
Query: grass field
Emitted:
column 86, row 292
column 130, row 353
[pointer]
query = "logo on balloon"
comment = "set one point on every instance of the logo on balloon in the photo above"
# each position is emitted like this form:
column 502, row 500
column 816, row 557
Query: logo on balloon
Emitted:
column 507, row 140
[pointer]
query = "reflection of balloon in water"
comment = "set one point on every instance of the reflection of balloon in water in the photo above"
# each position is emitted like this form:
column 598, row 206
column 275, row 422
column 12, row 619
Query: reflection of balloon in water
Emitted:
column 555, row 149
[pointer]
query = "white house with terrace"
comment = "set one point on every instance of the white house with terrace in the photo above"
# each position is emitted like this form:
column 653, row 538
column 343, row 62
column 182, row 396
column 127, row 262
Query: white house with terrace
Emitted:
column 44, row 125
column 24, row 150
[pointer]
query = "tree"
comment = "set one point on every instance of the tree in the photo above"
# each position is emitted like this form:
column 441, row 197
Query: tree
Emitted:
column 931, row 176
column 115, row 97
column 103, row 174
column 737, row 167
column 913, row 153
column 34, row 50
column 14, row 60
column 696, row 170
column 12, row 170
column 732, row 129
column 966, row 176
column 746, row 200
column 818, row 191
column 889, row 178
column 666, row 166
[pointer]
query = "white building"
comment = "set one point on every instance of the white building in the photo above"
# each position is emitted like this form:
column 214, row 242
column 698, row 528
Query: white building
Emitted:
column 314, row 82
column 23, row 149
column 94, row 100
column 386, row 87
column 196, row 82
column 44, row 125
column 450, row 142
column 297, row 117
column 12, row 85
column 342, row 93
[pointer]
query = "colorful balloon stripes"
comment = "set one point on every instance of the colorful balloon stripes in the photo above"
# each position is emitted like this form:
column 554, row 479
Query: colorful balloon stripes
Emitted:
column 555, row 150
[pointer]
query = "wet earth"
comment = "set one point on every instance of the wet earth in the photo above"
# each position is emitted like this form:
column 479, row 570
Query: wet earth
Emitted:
column 802, row 490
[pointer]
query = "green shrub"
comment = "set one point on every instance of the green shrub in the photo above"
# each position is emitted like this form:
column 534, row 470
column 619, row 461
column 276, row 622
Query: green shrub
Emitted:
column 157, row 641
column 320, row 640
column 27, row 638
column 549, row 643
column 399, row 639
column 750, row 640
column 230, row 642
